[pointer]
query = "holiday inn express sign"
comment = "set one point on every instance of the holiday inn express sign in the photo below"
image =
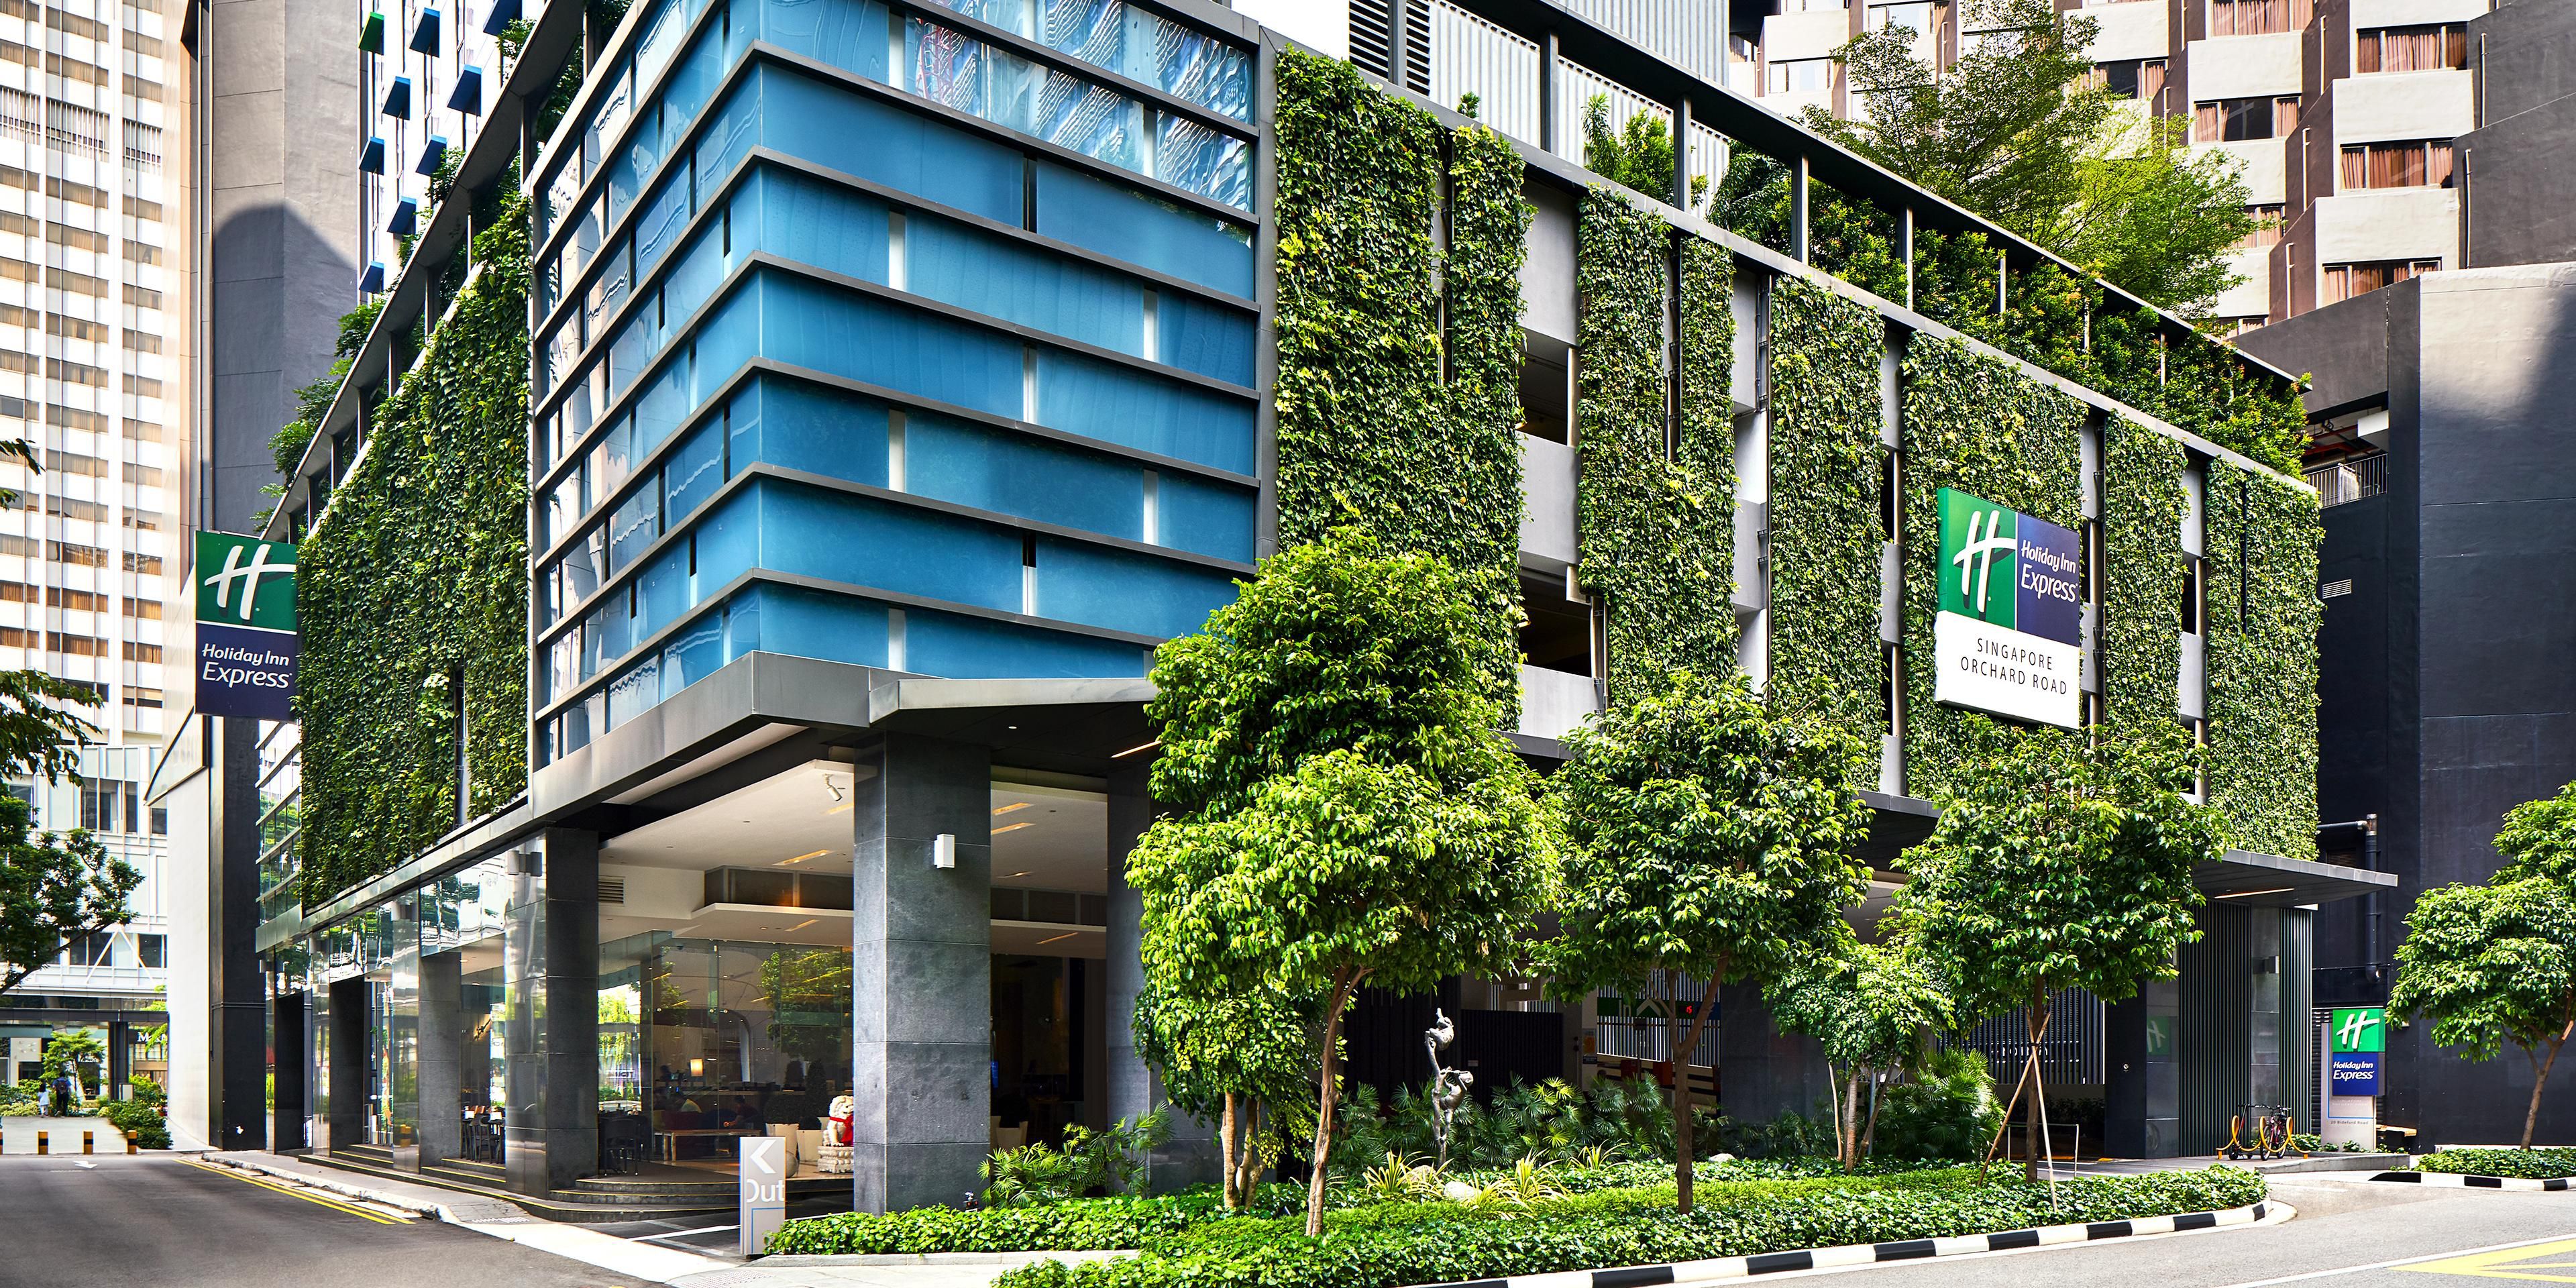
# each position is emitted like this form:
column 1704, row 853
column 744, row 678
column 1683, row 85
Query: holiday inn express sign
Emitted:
column 246, row 640
column 2009, row 636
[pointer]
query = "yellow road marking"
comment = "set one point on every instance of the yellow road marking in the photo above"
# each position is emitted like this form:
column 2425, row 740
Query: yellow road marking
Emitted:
column 334, row 1204
column 2509, row 1263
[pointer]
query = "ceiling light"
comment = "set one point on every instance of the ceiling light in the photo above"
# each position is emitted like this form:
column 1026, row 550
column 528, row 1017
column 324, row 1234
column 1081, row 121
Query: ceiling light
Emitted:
column 801, row 858
column 1011, row 827
column 1066, row 935
column 1145, row 746
column 1000, row 810
column 1015, row 876
column 2247, row 894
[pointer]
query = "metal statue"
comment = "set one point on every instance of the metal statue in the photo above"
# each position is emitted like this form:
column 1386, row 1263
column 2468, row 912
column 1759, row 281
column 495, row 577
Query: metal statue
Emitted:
column 1448, row 1086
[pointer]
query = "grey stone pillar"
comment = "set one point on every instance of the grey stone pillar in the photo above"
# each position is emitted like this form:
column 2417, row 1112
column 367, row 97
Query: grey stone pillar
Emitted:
column 922, row 967
column 346, row 1104
column 442, row 1030
column 1134, row 1090
column 287, row 1060
column 552, row 960
column 1761, row 1071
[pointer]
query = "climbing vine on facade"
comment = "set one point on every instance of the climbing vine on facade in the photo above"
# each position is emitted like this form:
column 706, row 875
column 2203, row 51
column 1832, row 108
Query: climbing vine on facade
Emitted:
column 1383, row 420
column 2263, row 610
column 2142, row 511
column 1825, row 489
column 1975, row 423
column 1657, row 507
column 414, row 593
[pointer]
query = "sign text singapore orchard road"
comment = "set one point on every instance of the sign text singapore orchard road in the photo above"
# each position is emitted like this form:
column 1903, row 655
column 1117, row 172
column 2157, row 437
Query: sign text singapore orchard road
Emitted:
column 2009, row 637
column 246, row 640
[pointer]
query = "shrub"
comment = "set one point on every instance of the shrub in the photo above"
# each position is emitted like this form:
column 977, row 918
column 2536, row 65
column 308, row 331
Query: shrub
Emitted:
column 1086, row 1161
column 2527, row 1164
column 141, row 1122
column 1406, row 1243
column 1620, row 1117
column 1947, row 1110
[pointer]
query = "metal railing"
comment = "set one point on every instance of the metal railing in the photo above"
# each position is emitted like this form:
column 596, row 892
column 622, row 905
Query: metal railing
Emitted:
column 2350, row 479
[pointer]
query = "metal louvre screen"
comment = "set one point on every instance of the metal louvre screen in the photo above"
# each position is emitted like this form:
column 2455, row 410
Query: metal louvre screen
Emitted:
column 1648, row 1028
column 1472, row 56
column 2069, row 1056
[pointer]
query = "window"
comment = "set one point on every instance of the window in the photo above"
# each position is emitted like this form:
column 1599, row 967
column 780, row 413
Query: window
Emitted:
column 2344, row 281
column 2430, row 47
column 1801, row 76
column 79, row 601
column 154, row 949
column 79, row 645
column 2267, row 233
column 1915, row 15
column 135, row 652
column 2234, row 120
column 150, row 611
column 2192, row 604
column 2256, row 17
column 149, row 565
column 2135, row 78
column 2424, row 164
column 137, row 696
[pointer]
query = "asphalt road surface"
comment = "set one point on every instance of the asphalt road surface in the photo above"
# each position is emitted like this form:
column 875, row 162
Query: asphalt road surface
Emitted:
column 2349, row 1234
column 151, row 1220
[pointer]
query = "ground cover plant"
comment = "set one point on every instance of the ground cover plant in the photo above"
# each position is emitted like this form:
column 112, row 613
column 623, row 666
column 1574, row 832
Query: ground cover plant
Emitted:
column 1516, row 1224
column 2527, row 1164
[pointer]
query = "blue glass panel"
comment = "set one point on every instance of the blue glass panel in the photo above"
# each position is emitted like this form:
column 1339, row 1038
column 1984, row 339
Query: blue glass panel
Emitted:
column 969, row 648
column 694, row 276
column 662, row 593
column 559, row 348
column 638, row 156
column 730, row 132
column 1129, row 225
column 632, row 526
column 1204, row 517
column 1210, row 339
column 635, row 691
column 694, row 470
column 729, row 540
column 611, row 461
column 835, row 628
column 816, row 325
column 742, row 624
column 659, row 226
column 564, row 508
column 821, row 224
column 879, row 543
column 848, row 35
column 585, row 565
column 824, row 431
column 1035, row 288
column 693, row 654
column 1201, row 68
column 695, row 80
column 664, row 405
column 742, row 418
column 1150, row 413
column 1209, row 162
column 1125, row 591
column 603, row 636
column 661, row 39
column 1013, row 474
column 726, row 340
column 901, row 149
column 616, row 99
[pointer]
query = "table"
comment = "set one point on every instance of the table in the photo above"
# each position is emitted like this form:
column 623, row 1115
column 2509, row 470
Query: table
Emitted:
column 671, row 1137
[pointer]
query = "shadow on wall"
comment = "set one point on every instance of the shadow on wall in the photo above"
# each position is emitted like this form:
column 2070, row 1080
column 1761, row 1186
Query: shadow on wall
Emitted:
column 277, row 287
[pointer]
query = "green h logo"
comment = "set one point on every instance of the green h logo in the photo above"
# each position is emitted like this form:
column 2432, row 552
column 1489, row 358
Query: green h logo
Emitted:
column 1980, row 542
column 243, row 581
column 2358, row 1029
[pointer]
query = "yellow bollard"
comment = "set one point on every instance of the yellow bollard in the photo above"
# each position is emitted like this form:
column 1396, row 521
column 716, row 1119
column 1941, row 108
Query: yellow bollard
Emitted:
column 88, row 1146
column 41, row 1147
column 129, row 1145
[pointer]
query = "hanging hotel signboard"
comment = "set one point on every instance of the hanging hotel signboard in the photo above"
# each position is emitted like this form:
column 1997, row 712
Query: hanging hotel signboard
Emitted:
column 2356, row 1048
column 2010, row 633
column 246, row 640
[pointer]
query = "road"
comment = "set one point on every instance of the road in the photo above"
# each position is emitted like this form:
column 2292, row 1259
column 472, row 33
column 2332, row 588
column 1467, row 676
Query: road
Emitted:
column 2347, row 1235
column 149, row 1221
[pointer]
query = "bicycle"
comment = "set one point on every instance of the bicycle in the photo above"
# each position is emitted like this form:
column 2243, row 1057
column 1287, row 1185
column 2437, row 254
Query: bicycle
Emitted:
column 2258, row 1132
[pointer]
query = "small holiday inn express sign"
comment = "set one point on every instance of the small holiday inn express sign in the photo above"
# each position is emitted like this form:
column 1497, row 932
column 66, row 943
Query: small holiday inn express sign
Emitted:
column 2010, row 632
column 246, row 640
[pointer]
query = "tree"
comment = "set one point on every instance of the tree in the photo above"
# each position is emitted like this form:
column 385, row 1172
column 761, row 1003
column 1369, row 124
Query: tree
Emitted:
column 1344, row 807
column 1707, row 837
column 1869, row 1006
column 1638, row 154
column 53, row 890
column 1225, row 1058
column 2059, row 862
column 2014, row 131
column 2539, row 839
column 2492, row 964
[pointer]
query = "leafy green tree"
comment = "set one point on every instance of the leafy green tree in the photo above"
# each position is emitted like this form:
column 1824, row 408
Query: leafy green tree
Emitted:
column 1225, row 1058
column 2492, row 964
column 53, row 890
column 1707, row 837
column 2059, row 862
column 2539, row 839
column 2013, row 132
column 1638, row 154
column 1344, row 807
column 1869, row 1006
column 67, row 1050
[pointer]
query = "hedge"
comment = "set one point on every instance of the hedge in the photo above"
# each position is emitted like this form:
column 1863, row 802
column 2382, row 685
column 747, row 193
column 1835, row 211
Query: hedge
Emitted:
column 2526, row 1164
column 1415, row 1243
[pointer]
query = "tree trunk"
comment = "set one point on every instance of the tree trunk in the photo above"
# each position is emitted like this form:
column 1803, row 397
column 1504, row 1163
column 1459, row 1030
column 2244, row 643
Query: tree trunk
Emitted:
column 1328, row 1085
column 1869, row 1134
column 1225, row 1145
column 1684, row 1155
column 2539, row 1077
column 1249, row 1174
column 2036, row 1024
column 1850, row 1124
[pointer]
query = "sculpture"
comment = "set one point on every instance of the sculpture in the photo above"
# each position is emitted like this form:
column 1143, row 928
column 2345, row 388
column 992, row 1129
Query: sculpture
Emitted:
column 1448, row 1086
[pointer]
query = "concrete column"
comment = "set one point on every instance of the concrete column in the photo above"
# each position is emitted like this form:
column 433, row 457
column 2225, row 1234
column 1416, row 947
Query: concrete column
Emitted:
column 551, row 948
column 2142, row 1081
column 237, row 987
column 348, row 1062
column 922, row 966
column 1763, row 1072
column 120, row 1060
column 442, row 1030
column 287, row 1060
column 1134, row 1089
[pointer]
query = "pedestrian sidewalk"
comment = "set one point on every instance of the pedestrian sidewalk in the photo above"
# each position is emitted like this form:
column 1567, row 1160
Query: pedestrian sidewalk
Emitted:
column 62, row 1135
column 638, row 1257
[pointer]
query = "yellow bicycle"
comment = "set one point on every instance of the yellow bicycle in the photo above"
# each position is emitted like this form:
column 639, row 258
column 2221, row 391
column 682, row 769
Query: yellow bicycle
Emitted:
column 2258, row 1132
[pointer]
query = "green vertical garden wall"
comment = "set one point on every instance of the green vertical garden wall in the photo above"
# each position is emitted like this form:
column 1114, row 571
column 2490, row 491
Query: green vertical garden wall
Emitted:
column 1826, row 531
column 2263, row 534
column 2142, row 511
